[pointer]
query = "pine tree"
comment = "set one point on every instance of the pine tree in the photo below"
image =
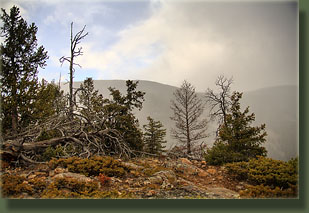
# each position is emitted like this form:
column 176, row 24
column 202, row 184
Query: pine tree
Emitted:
column 118, row 114
column 47, row 101
column 90, row 99
column 154, row 136
column 238, row 140
column 187, row 110
column 20, row 57
column 240, row 136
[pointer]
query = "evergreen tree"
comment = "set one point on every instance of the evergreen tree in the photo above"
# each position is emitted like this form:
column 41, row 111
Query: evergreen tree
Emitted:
column 20, row 57
column 187, row 110
column 118, row 114
column 154, row 136
column 48, row 101
column 238, row 140
column 90, row 99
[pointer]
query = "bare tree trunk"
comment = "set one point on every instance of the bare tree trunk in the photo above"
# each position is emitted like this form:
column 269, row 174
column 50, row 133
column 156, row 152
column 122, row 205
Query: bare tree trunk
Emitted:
column 71, row 76
column 74, row 53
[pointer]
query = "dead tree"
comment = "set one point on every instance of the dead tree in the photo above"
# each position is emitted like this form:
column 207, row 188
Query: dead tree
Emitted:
column 187, row 110
column 75, row 51
column 220, row 102
column 74, row 137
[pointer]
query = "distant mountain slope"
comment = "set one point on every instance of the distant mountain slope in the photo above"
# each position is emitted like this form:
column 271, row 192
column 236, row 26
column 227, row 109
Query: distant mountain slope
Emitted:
column 275, row 106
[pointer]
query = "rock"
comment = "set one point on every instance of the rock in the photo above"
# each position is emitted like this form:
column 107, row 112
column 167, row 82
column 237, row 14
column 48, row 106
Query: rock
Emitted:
column 51, row 173
column 151, row 193
column 78, row 177
column 220, row 177
column 203, row 162
column 146, row 182
column 59, row 170
column 183, row 182
column 239, row 187
column 43, row 168
column 129, row 181
column 202, row 173
column 168, row 175
column 222, row 193
column 31, row 176
column 24, row 175
column 166, row 185
column 212, row 171
column 186, row 168
column 185, row 160
column 40, row 173
column 156, row 180
column 115, row 180
column 132, row 165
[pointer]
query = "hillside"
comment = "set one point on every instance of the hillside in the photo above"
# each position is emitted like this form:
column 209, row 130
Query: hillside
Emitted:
column 274, row 106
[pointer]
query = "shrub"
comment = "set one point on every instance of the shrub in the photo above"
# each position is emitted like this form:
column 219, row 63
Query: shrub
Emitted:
column 13, row 185
column 265, row 171
column 220, row 154
column 262, row 191
column 71, row 188
column 51, row 152
column 269, row 177
column 92, row 166
column 49, row 134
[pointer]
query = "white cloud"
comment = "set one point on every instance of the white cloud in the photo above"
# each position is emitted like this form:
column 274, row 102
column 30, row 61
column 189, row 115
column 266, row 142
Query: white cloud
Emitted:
column 169, row 47
column 79, row 12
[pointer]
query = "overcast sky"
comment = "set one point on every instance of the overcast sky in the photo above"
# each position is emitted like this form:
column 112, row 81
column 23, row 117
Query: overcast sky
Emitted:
column 256, row 42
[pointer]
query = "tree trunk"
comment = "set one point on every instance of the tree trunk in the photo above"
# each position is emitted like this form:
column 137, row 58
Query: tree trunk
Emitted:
column 71, row 75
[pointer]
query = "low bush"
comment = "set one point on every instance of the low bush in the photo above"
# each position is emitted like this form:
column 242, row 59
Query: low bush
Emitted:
column 72, row 188
column 51, row 152
column 265, row 171
column 92, row 166
column 14, row 185
column 262, row 191
column 268, row 177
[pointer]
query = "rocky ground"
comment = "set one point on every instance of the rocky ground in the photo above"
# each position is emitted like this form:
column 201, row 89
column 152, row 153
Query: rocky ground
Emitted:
column 146, row 178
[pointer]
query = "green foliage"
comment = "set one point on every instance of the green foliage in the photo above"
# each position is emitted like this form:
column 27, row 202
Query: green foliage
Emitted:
column 49, row 100
column 262, row 191
column 119, row 115
column 268, row 175
column 71, row 188
column 219, row 154
column 265, row 171
column 48, row 134
column 91, row 100
column 154, row 136
column 92, row 166
column 20, row 57
column 51, row 152
column 237, row 140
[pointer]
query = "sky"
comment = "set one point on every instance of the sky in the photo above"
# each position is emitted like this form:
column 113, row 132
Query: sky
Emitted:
column 255, row 42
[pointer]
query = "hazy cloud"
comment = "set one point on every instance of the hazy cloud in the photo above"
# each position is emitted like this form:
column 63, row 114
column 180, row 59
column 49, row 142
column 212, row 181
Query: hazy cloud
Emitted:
column 254, row 42
column 169, row 41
